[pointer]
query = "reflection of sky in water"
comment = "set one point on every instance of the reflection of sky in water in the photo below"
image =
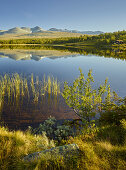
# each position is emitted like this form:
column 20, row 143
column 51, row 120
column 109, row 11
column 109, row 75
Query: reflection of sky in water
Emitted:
column 67, row 69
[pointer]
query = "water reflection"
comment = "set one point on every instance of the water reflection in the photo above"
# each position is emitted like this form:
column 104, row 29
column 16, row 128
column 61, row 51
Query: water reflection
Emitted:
column 32, row 108
column 34, row 54
column 37, row 52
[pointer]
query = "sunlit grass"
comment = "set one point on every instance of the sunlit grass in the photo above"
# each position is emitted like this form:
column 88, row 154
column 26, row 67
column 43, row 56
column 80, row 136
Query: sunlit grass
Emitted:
column 95, row 152
column 15, row 145
column 100, row 152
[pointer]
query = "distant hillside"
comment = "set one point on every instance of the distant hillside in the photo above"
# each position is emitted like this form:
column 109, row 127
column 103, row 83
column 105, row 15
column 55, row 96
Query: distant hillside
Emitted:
column 1, row 31
column 22, row 30
column 38, row 31
column 15, row 30
column 75, row 31
column 27, row 29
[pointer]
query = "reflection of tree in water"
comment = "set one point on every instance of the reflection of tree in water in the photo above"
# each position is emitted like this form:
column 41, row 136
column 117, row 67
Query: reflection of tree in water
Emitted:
column 36, row 52
column 108, row 52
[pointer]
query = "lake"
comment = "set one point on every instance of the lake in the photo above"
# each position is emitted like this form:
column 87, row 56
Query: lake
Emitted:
column 62, row 65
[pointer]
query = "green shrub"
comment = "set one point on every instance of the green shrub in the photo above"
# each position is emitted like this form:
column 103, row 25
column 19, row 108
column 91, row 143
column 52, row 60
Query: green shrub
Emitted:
column 54, row 130
column 86, row 101
column 114, row 116
column 115, row 134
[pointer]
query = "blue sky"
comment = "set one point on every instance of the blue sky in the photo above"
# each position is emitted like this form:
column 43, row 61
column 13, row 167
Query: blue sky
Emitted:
column 83, row 15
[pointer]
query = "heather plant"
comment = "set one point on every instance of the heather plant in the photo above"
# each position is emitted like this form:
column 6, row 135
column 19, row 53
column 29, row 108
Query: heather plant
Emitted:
column 54, row 130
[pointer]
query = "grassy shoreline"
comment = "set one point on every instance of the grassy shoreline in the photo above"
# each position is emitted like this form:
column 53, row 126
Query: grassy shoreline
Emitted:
column 101, row 148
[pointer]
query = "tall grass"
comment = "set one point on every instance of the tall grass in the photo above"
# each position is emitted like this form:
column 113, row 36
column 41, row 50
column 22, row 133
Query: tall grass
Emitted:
column 15, row 89
column 15, row 145
column 48, row 86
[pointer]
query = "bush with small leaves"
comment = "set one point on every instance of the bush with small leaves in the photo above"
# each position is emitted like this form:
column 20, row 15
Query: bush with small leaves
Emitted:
column 54, row 130
column 88, row 102
column 62, row 132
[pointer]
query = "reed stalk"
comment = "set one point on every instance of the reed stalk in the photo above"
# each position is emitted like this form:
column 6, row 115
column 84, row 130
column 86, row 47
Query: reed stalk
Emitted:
column 14, row 89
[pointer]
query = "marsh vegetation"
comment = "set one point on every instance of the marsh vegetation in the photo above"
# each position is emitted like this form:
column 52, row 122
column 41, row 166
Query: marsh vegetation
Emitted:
column 17, row 91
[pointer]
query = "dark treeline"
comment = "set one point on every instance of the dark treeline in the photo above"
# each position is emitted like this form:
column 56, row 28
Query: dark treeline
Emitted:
column 102, row 39
column 27, row 47
column 45, row 40
column 110, row 38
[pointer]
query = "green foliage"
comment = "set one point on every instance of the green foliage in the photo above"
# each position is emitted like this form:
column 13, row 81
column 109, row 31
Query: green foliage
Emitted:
column 38, row 41
column 114, row 115
column 84, row 100
column 54, row 130
column 114, row 134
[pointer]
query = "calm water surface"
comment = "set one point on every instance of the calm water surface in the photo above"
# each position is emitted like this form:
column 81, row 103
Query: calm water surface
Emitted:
column 64, row 66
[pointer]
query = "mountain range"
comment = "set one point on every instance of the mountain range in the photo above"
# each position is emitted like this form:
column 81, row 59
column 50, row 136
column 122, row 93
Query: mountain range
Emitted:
column 22, row 30
column 76, row 31
column 37, row 29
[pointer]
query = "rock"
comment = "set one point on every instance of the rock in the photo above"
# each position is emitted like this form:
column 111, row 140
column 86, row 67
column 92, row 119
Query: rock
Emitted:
column 65, row 151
